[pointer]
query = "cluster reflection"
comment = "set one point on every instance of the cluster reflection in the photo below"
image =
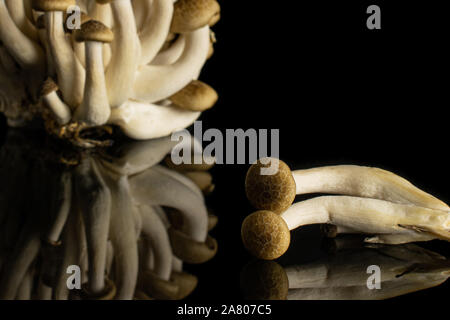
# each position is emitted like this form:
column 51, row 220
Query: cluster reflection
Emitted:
column 123, row 215
column 344, row 273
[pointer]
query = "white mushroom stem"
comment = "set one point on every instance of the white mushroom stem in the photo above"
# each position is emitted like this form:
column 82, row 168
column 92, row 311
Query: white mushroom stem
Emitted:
column 155, row 30
column 70, row 72
column 25, row 51
column 364, row 182
column 147, row 121
column 171, row 54
column 123, row 236
column 43, row 39
column 137, row 156
column 155, row 83
column 156, row 187
column 95, row 109
column 390, row 289
column 17, row 11
column 71, row 253
column 62, row 197
column 101, row 12
column 371, row 216
column 60, row 110
column 94, row 200
column 80, row 53
column 29, row 10
column 141, row 10
column 188, row 183
column 121, row 71
column 156, row 234
column 26, row 286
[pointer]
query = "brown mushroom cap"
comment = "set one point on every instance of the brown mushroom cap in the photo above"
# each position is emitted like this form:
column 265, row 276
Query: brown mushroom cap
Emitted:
column 108, row 293
column 186, row 283
column 191, row 251
column 213, row 220
column 264, row 280
column 93, row 30
column 52, row 5
column 48, row 87
column 196, row 96
column 265, row 235
column 190, row 15
column 270, row 192
column 158, row 288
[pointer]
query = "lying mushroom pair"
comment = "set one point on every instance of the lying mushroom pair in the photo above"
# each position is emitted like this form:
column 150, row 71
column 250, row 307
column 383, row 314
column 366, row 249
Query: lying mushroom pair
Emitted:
column 104, row 211
column 371, row 201
column 343, row 275
column 133, row 63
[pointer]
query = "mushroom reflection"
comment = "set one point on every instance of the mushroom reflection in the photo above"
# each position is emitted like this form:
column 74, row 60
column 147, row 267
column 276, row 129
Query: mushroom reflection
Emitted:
column 342, row 275
column 128, row 221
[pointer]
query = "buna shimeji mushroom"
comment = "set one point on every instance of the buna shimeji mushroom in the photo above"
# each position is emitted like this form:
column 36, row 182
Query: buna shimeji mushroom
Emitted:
column 133, row 64
column 105, row 211
column 343, row 275
column 371, row 201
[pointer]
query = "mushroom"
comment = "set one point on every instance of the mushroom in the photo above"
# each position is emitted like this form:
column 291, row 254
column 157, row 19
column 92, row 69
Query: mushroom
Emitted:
column 171, row 54
column 94, row 200
column 190, row 15
column 154, row 32
column 147, row 121
column 405, row 268
column 122, row 234
column 42, row 33
column 60, row 110
column 62, row 195
column 155, row 83
column 25, row 51
column 266, row 234
column 196, row 96
column 16, row 9
column 277, row 192
column 70, row 72
column 125, row 53
column 156, row 187
column 95, row 108
column 156, row 278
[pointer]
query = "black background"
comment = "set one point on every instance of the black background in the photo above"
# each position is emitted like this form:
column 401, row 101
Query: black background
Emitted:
column 338, row 92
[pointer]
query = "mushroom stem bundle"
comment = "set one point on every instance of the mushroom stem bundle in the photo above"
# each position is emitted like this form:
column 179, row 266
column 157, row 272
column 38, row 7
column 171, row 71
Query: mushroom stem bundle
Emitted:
column 371, row 201
column 125, row 83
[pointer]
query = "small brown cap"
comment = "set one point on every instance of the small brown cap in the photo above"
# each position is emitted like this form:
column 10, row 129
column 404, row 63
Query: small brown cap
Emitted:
column 274, row 192
column 190, row 15
column 265, row 235
column 48, row 87
column 52, row 5
column 186, row 283
column 196, row 96
column 108, row 293
column 158, row 288
column 191, row 251
column 93, row 30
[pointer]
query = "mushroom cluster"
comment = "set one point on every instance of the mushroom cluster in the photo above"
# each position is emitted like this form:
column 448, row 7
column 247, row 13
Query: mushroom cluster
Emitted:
column 134, row 64
column 127, row 220
column 360, row 199
column 342, row 274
